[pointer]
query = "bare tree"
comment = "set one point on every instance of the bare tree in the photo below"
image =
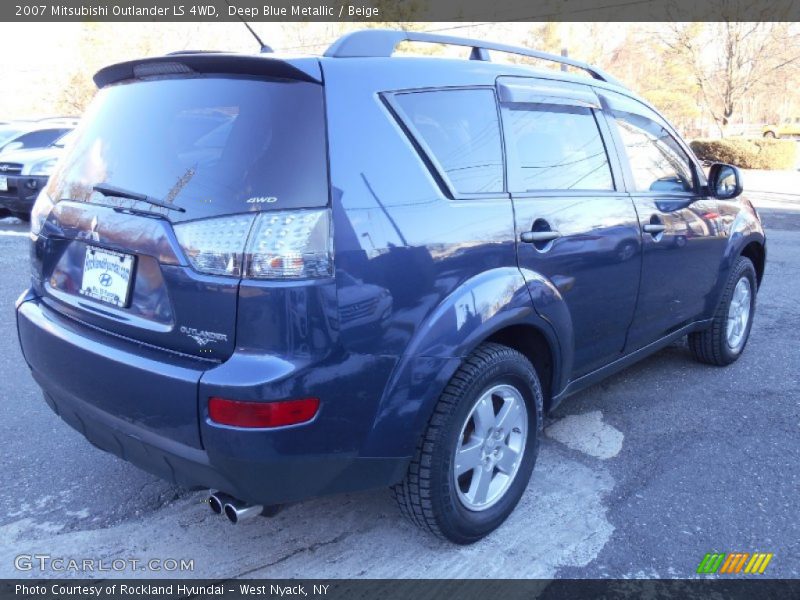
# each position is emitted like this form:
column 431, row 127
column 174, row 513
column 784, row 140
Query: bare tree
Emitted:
column 730, row 60
column 654, row 70
column 101, row 44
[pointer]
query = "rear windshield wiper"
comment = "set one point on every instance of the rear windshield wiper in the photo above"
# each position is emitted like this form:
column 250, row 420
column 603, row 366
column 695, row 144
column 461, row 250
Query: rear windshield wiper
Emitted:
column 112, row 190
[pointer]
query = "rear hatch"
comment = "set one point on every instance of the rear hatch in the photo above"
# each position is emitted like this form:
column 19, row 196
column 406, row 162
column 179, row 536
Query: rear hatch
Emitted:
column 144, row 223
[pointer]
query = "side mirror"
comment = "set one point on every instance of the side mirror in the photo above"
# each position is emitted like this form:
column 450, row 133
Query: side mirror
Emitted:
column 724, row 181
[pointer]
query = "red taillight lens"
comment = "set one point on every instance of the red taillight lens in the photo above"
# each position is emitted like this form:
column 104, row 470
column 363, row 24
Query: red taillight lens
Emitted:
column 262, row 414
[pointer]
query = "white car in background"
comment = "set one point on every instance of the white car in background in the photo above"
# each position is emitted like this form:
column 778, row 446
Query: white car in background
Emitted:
column 23, row 174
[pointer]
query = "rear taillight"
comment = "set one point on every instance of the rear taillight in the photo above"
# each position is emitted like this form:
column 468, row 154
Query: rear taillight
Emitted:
column 293, row 244
column 287, row 244
column 237, row 413
column 215, row 246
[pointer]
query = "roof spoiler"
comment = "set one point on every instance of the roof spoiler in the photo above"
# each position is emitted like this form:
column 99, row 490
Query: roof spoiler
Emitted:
column 234, row 64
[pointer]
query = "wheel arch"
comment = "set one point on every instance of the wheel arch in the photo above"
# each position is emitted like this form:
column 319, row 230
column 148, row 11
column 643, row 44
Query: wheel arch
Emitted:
column 757, row 254
column 746, row 237
column 533, row 344
column 451, row 333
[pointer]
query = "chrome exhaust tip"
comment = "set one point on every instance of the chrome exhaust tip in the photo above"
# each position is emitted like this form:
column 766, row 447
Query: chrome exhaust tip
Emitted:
column 217, row 501
column 237, row 511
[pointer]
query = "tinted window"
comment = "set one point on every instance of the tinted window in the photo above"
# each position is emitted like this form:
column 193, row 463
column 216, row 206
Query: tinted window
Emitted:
column 658, row 163
column 557, row 147
column 461, row 130
column 210, row 145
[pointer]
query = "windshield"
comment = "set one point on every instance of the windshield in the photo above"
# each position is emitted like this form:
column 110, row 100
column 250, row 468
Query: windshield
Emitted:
column 38, row 138
column 209, row 145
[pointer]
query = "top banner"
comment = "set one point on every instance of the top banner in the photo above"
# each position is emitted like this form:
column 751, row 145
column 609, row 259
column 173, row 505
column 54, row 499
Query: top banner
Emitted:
column 398, row 11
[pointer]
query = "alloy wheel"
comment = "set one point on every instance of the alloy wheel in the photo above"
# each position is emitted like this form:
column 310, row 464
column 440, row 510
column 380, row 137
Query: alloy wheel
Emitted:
column 490, row 447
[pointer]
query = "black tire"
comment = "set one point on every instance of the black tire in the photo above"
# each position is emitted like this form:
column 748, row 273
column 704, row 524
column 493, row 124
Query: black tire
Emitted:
column 428, row 495
column 770, row 135
column 710, row 346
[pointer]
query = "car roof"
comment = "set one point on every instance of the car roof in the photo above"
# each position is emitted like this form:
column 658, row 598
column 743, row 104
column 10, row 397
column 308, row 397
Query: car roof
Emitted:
column 371, row 53
column 306, row 67
column 485, row 72
column 382, row 43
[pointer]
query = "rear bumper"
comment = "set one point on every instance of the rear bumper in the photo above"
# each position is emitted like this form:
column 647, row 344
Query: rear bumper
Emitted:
column 245, row 463
column 21, row 193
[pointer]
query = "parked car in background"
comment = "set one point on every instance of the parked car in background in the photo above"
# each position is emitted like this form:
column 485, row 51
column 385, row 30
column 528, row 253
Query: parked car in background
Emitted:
column 23, row 174
column 790, row 128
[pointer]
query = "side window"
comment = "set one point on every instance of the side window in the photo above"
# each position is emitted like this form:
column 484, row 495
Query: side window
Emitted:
column 461, row 130
column 557, row 147
column 658, row 163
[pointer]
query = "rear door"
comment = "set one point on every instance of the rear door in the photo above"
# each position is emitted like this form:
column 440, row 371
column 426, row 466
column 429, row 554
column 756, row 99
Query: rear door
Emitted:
column 575, row 224
column 683, row 241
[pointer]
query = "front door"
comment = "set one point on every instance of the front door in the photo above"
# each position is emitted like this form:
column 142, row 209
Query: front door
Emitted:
column 683, row 241
column 576, row 226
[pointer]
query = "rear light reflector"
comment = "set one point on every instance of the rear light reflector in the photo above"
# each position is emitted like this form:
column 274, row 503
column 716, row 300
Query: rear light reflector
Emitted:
column 238, row 413
column 281, row 244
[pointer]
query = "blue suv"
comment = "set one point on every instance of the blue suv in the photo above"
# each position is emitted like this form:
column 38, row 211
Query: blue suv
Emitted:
column 286, row 277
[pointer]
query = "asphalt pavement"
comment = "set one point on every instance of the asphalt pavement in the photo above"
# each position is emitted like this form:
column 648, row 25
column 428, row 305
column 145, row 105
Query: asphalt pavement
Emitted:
column 639, row 476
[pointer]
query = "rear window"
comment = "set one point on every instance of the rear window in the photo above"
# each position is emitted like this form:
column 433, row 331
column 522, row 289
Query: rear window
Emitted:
column 209, row 145
column 461, row 132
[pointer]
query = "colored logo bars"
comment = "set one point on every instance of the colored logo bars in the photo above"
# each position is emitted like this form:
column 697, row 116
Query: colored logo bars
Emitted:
column 735, row 562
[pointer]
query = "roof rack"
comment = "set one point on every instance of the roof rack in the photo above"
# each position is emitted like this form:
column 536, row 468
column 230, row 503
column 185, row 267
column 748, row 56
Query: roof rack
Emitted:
column 382, row 43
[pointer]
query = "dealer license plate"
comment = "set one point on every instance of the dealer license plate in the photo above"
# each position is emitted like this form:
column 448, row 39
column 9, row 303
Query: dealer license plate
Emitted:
column 107, row 276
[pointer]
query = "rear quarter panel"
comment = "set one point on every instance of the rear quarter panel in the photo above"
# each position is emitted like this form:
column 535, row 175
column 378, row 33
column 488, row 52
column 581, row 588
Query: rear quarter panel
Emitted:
column 448, row 267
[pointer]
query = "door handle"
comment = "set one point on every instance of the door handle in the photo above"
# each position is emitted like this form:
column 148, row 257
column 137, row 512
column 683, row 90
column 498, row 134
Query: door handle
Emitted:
column 653, row 228
column 534, row 237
